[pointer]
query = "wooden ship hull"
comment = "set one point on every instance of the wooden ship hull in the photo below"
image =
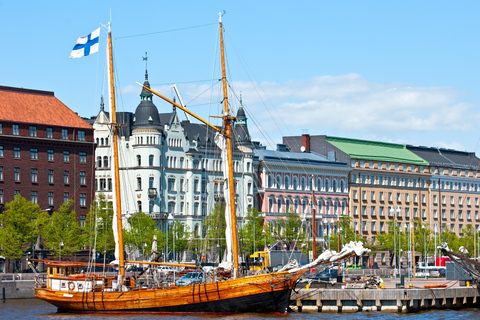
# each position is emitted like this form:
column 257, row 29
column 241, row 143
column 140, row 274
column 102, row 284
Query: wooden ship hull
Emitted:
column 268, row 293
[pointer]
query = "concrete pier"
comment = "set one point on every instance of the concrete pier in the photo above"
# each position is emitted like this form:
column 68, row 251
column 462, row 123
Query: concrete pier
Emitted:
column 390, row 300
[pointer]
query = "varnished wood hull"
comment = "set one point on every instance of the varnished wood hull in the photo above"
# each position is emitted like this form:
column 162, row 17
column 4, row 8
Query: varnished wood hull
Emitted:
column 261, row 293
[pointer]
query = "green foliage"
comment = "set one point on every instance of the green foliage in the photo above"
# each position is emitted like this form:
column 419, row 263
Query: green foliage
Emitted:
column 288, row 230
column 62, row 233
column 215, row 229
column 178, row 237
column 98, row 230
column 253, row 233
column 139, row 234
column 468, row 239
column 347, row 234
column 19, row 227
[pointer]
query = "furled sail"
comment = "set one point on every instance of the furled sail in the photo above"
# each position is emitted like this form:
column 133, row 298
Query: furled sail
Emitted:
column 221, row 142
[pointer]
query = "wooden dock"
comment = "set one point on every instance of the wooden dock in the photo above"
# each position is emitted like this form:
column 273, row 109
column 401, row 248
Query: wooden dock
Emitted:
column 390, row 300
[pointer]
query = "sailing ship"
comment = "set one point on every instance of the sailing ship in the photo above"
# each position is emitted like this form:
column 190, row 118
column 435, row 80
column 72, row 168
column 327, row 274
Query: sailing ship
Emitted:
column 467, row 264
column 72, row 290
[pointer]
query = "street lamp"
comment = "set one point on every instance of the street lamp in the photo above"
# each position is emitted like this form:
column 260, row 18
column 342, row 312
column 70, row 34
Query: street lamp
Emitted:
column 264, row 232
column 425, row 248
column 60, row 245
column 172, row 218
column 392, row 211
column 400, row 251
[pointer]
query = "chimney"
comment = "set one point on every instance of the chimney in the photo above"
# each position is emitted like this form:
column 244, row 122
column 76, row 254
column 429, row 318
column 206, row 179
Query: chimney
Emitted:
column 305, row 142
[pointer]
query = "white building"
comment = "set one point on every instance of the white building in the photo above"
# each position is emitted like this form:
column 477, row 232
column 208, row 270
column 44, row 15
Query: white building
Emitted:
column 168, row 166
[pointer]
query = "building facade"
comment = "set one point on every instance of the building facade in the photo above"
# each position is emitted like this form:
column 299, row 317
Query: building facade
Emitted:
column 285, row 181
column 171, row 169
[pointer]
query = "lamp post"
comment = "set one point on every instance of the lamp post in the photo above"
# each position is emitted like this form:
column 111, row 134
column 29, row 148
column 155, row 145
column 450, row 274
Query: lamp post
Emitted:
column 425, row 250
column 172, row 218
column 60, row 245
column 392, row 211
column 400, row 252
column 264, row 233
column 435, row 249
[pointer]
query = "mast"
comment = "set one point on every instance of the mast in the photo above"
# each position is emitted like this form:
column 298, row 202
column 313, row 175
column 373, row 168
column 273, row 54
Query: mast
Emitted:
column 227, row 125
column 118, row 203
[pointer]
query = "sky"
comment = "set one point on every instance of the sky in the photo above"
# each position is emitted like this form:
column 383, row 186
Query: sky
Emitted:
column 395, row 71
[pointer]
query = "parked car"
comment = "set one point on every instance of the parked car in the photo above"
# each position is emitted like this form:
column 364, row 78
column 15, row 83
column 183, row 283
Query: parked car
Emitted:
column 189, row 278
column 189, row 269
column 353, row 266
column 325, row 275
column 167, row 270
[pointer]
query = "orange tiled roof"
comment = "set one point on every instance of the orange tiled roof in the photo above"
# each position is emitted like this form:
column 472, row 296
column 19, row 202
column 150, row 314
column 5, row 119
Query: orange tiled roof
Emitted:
column 35, row 106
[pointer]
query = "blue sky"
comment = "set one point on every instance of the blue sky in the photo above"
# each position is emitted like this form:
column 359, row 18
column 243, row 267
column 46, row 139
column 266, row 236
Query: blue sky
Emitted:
column 398, row 71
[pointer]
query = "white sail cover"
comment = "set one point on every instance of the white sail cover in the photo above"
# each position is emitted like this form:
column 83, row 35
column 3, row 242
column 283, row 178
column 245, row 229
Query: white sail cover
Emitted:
column 222, row 144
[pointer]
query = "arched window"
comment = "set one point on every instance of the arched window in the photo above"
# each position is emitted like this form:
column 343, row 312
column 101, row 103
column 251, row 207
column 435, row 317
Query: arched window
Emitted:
column 334, row 185
column 319, row 184
column 139, row 206
column 287, row 182
column 139, row 160
column 105, row 161
column 327, row 185
column 171, row 207
column 279, row 205
column 150, row 160
column 270, row 181
column 342, row 186
column 295, row 183
column 303, row 183
column 99, row 162
column 278, row 182
column 151, row 205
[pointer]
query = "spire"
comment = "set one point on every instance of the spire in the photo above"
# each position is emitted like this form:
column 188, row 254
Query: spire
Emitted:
column 241, row 128
column 102, row 105
column 146, row 95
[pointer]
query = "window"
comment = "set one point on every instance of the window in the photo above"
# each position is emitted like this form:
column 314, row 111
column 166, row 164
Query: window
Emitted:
column 150, row 182
column 83, row 199
column 171, row 184
column 49, row 133
column 139, row 206
column 33, row 154
column 105, row 161
column 372, row 195
column 381, row 211
column 195, row 208
column 182, row 207
column 352, row 163
column 435, row 214
column 33, row 196
column 1, row 128
column 65, row 134
column 16, row 152
column 150, row 160
column 151, row 204
column 372, row 211
column 373, row 226
column 1, row 196
column 65, row 177
column 66, row 156
column 82, row 157
column 1, row 151
column 364, row 195
column 50, row 176
column 65, row 197
column 16, row 174
column 15, row 130
column 33, row 175
column 396, row 167
column 389, row 196
column 460, row 201
column 139, row 183
column 1, row 173
column 50, row 198
column 82, row 178
column 99, row 162
column 362, row 164
column 196, row 185
column 50, row 155
column 139, row 160
column 83, row 219
column 32, row 131
column 81, row 135
column 381, row 195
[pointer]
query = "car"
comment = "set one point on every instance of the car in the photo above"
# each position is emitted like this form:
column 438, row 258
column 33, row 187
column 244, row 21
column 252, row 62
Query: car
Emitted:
column 165, row 270
column 189, row 269
column 325, row 275
column 353, row 266
column 189, row 278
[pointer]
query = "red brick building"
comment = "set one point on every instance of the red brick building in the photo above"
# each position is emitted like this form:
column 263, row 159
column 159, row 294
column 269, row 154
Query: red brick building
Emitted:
column 46, row 151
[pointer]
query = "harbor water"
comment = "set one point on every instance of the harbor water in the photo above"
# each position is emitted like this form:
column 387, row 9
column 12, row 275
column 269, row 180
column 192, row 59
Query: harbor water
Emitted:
column 37, row 309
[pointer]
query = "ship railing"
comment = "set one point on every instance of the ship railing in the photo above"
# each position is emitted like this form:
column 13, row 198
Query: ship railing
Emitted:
column 41, row 281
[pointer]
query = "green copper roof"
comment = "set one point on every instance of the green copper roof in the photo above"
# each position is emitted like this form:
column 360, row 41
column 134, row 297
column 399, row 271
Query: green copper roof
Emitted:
column 377, row 151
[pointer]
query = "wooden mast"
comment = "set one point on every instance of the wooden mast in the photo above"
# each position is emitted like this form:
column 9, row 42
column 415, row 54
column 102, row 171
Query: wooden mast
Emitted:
column 227, row 124
column 115, row 159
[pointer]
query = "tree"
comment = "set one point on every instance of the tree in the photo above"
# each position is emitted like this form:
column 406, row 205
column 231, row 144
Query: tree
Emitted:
column 468, row 239
column 98, row 230
column 62, row 232
column 138, row 235
column 215, row 230
column 251, row 232
column 288, row 230
column 179, row 236
column 19, row 227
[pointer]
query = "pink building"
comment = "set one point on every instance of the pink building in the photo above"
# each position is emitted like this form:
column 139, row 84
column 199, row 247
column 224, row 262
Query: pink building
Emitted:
column 285, row 182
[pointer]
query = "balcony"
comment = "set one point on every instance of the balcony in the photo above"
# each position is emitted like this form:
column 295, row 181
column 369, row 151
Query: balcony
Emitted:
column 152, row 192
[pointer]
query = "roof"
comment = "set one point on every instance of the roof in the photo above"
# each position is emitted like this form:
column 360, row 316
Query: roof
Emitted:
column 296, row 157
column 377, row 151
column 39, row 107
column 441, row 157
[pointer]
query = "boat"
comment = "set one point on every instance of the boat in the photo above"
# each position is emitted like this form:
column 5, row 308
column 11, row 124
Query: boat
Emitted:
column 464, row 262
column 71, row 288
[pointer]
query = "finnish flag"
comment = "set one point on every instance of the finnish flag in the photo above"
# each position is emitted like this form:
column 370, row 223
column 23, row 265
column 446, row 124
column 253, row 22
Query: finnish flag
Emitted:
column 86, row 45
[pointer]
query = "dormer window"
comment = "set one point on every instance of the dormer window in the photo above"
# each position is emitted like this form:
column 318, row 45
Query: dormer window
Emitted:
column 150, row 120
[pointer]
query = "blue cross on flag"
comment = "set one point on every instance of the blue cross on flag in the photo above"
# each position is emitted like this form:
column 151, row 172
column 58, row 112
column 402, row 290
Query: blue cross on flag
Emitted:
column 86, row 45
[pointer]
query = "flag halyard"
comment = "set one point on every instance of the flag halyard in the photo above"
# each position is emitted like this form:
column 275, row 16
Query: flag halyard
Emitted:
column 86, row 45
